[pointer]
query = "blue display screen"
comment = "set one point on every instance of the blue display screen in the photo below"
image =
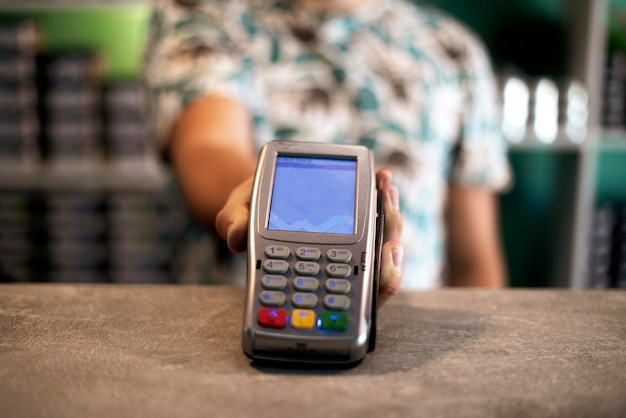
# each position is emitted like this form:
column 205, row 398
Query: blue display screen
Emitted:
column 313, row 194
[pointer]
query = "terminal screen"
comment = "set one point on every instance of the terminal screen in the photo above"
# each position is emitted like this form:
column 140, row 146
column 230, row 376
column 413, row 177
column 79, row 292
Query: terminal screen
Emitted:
column 312, row 194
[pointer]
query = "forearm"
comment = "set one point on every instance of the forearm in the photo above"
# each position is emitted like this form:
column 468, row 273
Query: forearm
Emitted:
column 212, row 152
column 487, row 271
column 207, row 175
column 474, row 249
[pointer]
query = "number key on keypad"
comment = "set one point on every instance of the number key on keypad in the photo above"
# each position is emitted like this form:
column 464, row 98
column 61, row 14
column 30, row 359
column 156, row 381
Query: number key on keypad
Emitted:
column 337, row 302
column 308, row 253
column 307, row 268
column 339, row 255
column 308, row 284
column 274, row 282
column 277, row 251
column 338, row 270
column 337, row 286
column 276, row 266
column 272, row 298
column 304, row 300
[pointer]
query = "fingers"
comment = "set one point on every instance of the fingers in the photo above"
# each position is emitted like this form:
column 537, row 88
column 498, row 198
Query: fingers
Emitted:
column 231, row 222
column 391, row 202
column 390, row 271
column 392, row 249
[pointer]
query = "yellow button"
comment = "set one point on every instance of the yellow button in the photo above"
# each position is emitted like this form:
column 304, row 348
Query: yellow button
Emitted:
column 303, row 318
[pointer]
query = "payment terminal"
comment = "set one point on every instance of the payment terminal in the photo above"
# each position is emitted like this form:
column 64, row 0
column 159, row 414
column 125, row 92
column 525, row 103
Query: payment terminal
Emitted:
column 313, row 254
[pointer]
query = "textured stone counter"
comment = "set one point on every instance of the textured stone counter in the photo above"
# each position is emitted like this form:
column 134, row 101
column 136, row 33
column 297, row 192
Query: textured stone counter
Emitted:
column 166, row 351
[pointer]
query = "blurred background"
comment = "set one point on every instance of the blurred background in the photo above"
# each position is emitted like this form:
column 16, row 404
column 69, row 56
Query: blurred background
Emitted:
column 85, row 198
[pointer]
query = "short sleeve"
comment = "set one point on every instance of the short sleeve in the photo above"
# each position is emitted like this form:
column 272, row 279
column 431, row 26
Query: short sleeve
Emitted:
column 480, row 158
column 193, row 50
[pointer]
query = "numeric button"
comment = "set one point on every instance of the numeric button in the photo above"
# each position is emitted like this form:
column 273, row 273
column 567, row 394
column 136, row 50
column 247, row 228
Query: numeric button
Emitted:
column 272, row 298
column 337, row 286
column 304, row 300
column 306, row 284
column 339, row 255
column 337, row 302
column 275, row 266
column 307, row 268
column 308, row 253
column 338, row 270
column 274, row 282
column 277, row 251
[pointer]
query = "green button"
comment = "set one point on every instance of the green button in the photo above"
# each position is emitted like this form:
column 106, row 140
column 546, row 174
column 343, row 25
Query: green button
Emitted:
column 334, row 321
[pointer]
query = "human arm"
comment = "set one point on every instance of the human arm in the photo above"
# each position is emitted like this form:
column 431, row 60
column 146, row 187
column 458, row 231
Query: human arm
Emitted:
column 212, row 153
column 474, row 248
column 197, row 91
column 479, row 168
column 213, row 157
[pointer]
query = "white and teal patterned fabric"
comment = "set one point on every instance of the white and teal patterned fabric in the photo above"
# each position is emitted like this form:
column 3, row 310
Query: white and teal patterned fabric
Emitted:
column 412, row 84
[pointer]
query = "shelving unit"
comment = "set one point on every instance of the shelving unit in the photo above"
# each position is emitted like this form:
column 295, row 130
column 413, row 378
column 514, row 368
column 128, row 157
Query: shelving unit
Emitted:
column 112, row 214
column 557, row 186
column 147, row 175
column 115, row 28
column 588, row 34
column 546, row 218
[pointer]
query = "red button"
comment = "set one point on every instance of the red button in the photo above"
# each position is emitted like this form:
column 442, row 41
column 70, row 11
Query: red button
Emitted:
column 272, row 317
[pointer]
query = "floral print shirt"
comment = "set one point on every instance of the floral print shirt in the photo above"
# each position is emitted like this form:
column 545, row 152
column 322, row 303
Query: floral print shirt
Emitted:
column 412, row 84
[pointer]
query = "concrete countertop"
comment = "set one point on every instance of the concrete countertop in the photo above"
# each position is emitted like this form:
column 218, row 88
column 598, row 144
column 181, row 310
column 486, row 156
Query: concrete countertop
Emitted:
column 174, row 351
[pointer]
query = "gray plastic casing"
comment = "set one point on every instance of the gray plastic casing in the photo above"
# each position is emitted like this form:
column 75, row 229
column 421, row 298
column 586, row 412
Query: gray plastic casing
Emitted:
column 313, row 345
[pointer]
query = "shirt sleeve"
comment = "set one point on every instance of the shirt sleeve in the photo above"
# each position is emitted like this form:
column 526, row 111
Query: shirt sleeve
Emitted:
column 480, row 158
column 193, row 50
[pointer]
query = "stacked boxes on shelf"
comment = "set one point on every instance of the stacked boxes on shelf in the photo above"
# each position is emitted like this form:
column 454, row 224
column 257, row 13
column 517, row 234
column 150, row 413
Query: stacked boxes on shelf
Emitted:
column 618, row 249
column 614, row 98
column 143, row 223
column 83, row 197
column 614, row 83
column 601, row 238
column 17, row 249
column 19, row 129
column 143, row 230
column 126, row 128
column 607, row 256
column 76, row 236
column 70, row 86
column 19, row 123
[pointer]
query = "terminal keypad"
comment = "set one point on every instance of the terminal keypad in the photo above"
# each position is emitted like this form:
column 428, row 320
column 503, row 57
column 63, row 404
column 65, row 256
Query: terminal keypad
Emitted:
column 311, row 287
